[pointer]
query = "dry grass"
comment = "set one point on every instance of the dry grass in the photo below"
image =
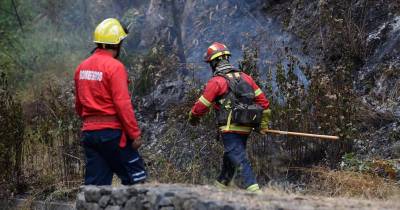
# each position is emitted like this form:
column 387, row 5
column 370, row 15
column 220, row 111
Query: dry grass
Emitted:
column 51, row 156
column 350, row 184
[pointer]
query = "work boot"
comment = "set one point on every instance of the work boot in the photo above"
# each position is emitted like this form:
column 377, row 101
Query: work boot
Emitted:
column 220, row 185
column 254, row 188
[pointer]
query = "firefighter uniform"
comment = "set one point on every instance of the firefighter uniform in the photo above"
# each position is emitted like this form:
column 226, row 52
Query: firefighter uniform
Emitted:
column 104, row 104
column 218, row 86
column 234, row 136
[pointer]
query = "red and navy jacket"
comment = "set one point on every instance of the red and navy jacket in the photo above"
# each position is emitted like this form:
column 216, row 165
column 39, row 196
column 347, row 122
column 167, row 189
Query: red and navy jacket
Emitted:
column 218, row 86
column 101, row 84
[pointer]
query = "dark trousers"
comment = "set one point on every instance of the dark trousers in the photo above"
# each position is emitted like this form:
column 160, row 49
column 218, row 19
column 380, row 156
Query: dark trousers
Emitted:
column 235, row 159
column 104, row 157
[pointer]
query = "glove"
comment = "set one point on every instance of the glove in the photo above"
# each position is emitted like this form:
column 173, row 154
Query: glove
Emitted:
column 193, row 120
column 265, row 121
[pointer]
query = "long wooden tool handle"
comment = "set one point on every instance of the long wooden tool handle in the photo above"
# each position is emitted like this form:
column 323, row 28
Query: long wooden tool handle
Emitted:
column 303, row 134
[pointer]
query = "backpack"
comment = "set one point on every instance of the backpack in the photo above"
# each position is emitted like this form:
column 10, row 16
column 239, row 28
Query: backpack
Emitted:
column 237, row 105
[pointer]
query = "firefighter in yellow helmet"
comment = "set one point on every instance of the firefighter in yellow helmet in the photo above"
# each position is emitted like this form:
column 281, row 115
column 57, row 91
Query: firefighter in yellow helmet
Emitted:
column 240, row 107
column 110, row 132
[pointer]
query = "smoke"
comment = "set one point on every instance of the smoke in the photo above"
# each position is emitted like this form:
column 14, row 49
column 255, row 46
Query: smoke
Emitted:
column 184, row 27
column 188, row 27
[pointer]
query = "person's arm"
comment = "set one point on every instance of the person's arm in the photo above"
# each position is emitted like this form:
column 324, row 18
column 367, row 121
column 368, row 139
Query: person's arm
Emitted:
column 78, row 104
column 261, row 100
column 203, row 104
column 122, row 102
column 260, row 97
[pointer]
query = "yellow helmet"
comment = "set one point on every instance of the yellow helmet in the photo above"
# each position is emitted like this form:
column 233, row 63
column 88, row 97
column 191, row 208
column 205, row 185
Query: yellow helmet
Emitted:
column 109, row 31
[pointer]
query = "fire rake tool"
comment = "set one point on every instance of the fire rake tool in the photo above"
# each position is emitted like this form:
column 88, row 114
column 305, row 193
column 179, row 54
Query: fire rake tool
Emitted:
column 302, row 134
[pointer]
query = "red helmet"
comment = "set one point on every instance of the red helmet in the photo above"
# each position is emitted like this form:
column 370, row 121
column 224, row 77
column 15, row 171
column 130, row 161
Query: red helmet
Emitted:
column 215, row 50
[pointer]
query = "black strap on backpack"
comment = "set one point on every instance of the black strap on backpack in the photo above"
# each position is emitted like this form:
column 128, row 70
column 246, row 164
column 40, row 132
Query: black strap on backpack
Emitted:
column 241, row 90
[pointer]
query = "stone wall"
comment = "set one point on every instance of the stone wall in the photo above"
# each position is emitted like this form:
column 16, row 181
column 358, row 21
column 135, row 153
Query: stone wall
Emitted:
column 159, row 196
column 188, row 197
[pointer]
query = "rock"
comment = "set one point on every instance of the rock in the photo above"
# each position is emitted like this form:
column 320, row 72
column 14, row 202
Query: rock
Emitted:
column 166, row 94
column 119, row 196
column 132, row 191
column 104, row 200
column 167, row 208
column 164, row 202
column 80, row 200
column 90, row 206
column 132, row 204
column 227, row 207
column 138, row 203
column 112, row 208
column 92, row 194
column 212, row 205
column 105, row 190
column 169, row 194
column 191, row 204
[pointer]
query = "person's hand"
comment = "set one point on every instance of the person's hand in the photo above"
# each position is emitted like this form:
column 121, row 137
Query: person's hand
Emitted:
column 264, row 131
column 265, row 121
column 193, row 120
column 137, row 143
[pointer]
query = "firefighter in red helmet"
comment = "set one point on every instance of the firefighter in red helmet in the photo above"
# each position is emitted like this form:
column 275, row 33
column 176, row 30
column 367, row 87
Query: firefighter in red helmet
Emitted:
column 240, row 106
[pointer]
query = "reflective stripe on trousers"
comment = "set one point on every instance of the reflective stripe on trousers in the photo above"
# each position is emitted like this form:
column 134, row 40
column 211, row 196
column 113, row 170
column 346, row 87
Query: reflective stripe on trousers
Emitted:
column 104, row 157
